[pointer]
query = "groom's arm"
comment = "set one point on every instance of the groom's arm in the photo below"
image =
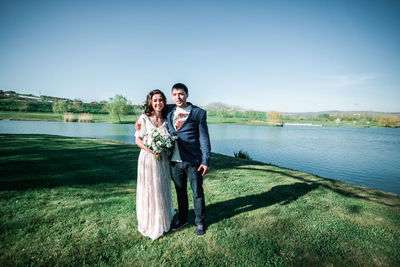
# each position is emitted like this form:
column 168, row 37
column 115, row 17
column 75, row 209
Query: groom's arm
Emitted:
column 137, row 125
column 205, row 146
column 170, row 107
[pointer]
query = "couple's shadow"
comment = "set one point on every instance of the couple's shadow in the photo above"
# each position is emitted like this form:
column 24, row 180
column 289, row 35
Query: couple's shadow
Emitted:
column 282, row 194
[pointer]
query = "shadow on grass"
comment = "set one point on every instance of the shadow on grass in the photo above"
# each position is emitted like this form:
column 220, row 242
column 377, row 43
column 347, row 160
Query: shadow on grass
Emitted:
column 46, row 161
column 343, row 188
column 281, row 194
column 221, row 162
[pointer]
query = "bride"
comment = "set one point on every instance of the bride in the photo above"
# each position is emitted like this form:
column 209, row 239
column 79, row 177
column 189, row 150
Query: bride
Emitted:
column 154, row 206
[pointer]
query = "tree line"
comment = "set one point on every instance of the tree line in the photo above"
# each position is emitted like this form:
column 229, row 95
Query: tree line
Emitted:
column 116, row 106
column 224, row 112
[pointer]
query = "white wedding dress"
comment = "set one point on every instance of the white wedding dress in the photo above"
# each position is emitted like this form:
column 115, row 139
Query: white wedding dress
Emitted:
column 154, row 206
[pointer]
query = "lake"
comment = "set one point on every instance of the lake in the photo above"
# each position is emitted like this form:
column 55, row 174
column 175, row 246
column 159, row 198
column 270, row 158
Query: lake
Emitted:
column 368, row 156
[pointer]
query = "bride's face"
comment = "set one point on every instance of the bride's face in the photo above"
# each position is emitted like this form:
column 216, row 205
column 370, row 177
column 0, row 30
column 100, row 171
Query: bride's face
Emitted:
column 157, row 102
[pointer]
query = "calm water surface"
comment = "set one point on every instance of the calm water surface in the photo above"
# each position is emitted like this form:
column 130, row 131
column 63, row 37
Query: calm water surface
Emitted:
column 368, row 157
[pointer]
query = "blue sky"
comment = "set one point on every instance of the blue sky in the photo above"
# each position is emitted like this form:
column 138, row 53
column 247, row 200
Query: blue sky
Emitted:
column 292, row 56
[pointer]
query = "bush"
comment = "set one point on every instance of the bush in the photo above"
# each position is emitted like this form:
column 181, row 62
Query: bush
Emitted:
column 94, row 108
column 28, row 106
column 23, row 106
column 85, row 117
column 69, row 117
column 242, row 154
column 388, row 121
column 274, row 117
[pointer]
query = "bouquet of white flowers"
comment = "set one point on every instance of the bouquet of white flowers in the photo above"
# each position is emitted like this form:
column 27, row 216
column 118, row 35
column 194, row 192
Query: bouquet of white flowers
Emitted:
column 159, row 141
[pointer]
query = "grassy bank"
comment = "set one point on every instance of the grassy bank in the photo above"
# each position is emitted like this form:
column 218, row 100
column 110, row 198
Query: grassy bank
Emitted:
column 212, row 119
column 41, row 116
column 71, row 201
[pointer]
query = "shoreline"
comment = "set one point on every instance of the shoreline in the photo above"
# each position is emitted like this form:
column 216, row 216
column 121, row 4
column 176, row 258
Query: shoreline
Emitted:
column 131, row 119
column 211, row 123
column 333, row 180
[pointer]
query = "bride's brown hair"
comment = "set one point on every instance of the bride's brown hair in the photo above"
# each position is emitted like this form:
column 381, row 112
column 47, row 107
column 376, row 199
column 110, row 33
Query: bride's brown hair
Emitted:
column 149, row 107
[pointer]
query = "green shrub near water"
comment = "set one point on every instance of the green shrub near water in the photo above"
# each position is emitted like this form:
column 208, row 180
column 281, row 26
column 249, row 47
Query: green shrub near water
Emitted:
column 71, row 201
column 242, row 155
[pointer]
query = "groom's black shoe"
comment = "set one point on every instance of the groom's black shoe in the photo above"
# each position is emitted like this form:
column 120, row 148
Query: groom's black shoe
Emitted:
column 201, row 230
column 179, row 225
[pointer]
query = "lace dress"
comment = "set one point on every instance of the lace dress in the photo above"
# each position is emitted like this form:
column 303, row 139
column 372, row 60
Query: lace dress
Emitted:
column 154, row 206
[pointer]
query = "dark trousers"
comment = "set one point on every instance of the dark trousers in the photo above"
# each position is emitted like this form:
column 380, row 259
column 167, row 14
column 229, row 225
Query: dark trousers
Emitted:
column 180, row 172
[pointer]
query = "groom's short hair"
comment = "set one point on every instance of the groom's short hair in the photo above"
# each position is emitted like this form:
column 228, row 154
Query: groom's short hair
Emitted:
column 180, row 86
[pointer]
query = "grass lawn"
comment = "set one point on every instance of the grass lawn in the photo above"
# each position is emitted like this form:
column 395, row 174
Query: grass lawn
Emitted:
column 213, row 119
column 42, row 116
column 71, row 201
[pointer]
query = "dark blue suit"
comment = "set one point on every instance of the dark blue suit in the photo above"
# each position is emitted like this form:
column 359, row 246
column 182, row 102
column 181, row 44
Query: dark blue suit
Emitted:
column 194, row 149
column 193, row 138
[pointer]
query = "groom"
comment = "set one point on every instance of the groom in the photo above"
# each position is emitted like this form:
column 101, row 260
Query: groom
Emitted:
column 190, row 157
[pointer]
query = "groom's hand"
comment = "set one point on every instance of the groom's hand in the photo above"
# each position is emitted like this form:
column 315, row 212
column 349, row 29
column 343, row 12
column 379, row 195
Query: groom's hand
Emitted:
column 205, row 169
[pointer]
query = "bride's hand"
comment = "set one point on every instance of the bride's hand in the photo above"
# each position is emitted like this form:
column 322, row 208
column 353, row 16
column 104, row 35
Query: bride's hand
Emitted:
column 157, row 156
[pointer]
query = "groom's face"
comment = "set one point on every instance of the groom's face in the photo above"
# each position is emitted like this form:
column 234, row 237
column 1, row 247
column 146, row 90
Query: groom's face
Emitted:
column 179, row 97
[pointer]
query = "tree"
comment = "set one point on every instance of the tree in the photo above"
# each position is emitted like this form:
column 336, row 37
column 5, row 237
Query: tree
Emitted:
column 274, row 117
column 118, row 106
column 252, row 115
column 60, row 107
column 222, row 114
column 78, row 105
column 323, row 117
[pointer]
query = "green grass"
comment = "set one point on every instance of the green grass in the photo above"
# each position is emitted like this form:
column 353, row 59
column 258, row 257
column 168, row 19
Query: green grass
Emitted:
column 213, row 119
column 41, row 116
column 71, row 201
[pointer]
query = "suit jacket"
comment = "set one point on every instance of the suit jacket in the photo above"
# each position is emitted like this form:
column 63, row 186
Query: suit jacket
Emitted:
column 193, row 138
